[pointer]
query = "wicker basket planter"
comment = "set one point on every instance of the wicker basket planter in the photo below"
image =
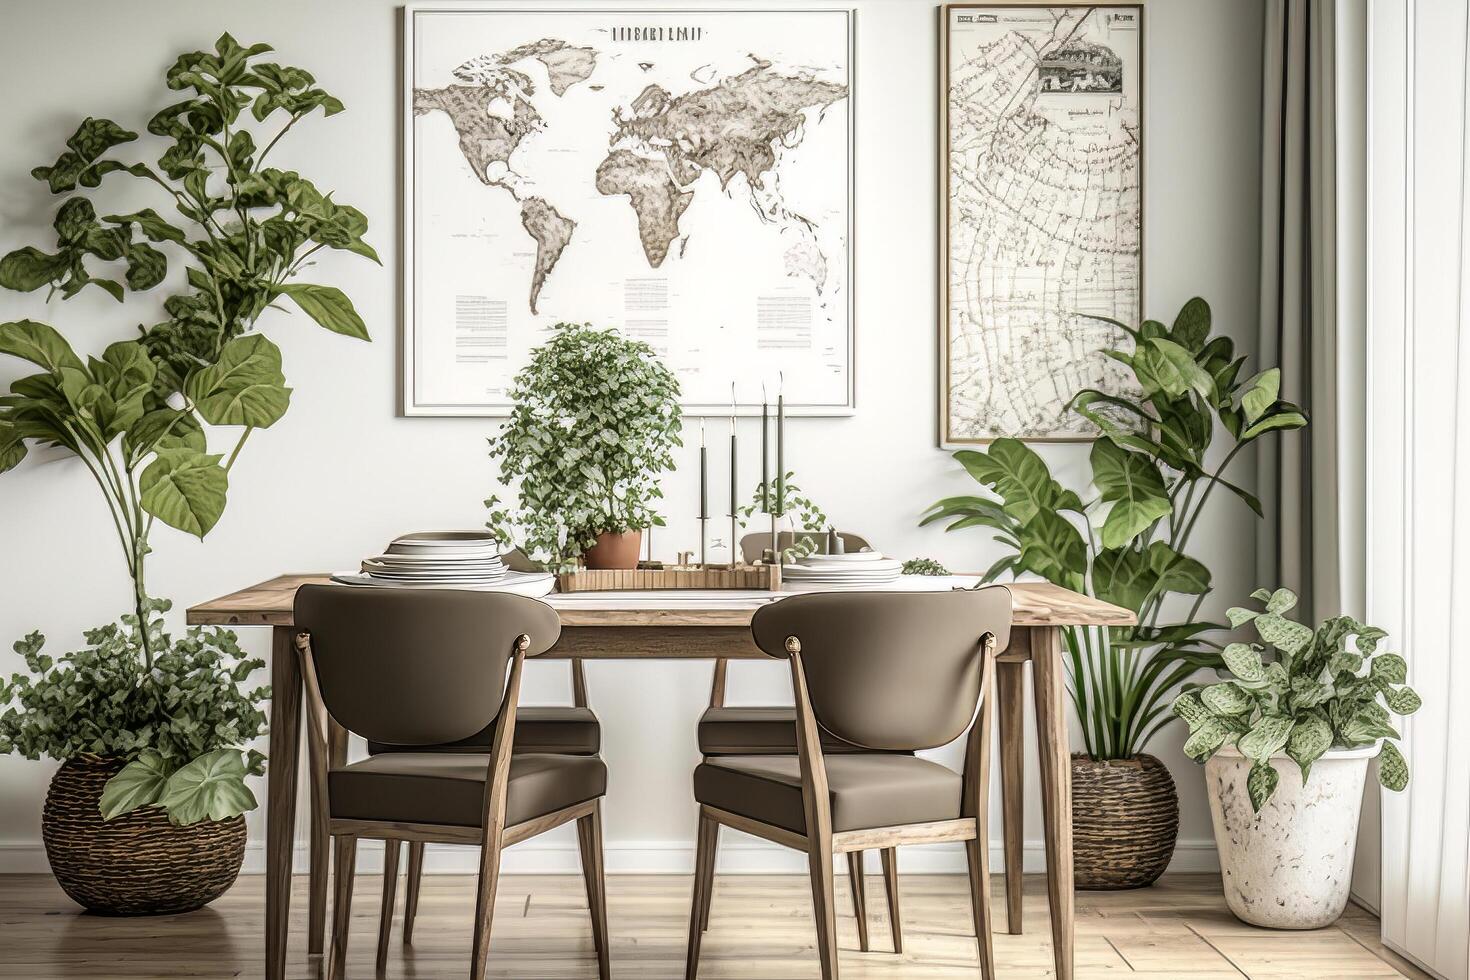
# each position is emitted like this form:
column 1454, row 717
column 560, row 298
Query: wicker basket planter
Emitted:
column 1125, row 821
column 140, row 863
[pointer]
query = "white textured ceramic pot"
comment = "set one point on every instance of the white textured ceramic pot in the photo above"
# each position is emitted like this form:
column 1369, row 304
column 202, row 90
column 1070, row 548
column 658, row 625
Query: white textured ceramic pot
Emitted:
column 1289, row 866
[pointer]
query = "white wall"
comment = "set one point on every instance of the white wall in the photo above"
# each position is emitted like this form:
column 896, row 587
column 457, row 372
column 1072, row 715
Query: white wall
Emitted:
column 342, row 474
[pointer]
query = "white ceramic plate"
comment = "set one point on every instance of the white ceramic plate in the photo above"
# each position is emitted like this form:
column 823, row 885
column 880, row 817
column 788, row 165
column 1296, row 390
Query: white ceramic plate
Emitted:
column 851, row 558
column 439, row 542
column 478, row 555
column 533, row 584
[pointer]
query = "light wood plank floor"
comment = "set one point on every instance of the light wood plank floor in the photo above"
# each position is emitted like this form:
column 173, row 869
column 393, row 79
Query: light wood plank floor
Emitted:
column 761, row 927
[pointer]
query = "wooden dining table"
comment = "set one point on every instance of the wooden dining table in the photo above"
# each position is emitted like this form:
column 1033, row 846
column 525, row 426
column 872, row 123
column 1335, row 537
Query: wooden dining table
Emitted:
column 674, row 626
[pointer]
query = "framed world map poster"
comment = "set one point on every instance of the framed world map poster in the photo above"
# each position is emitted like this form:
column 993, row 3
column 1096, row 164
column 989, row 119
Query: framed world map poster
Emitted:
column 683, row 176
column 1041, row 221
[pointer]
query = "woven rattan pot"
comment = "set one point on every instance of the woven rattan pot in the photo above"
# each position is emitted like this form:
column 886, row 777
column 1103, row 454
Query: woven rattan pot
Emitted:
column 139, row 863
column 1125, row 821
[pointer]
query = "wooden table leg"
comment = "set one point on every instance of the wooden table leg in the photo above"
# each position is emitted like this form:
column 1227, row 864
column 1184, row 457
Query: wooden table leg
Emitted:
column 1010, row 677
column 1049, row 679
column 280, row 804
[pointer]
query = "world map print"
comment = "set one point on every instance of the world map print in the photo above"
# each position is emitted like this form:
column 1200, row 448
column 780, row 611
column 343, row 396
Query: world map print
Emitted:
column 680, row 175
column 1043, row 218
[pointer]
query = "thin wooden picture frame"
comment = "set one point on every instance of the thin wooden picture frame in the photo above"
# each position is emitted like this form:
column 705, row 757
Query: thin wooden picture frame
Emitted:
column 943, row 434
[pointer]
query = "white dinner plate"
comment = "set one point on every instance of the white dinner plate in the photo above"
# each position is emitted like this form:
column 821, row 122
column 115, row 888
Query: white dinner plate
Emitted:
column 441, row 542
column 533, row 584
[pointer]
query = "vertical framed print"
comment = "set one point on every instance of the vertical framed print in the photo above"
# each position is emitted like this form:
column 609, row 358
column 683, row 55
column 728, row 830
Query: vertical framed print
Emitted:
column 684, row 176
column 1041, row 214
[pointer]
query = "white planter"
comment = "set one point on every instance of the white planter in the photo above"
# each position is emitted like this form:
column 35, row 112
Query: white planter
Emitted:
column 1289, row 866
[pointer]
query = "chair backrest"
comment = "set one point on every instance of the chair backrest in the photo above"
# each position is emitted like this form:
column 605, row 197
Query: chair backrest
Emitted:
column 890, row 670
column 753, row 545
column 417, row 666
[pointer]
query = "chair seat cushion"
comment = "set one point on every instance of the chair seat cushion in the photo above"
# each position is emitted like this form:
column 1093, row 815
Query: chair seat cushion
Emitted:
column 757, row 731
column 449, row 787
column 539, row 728
column 866, row 790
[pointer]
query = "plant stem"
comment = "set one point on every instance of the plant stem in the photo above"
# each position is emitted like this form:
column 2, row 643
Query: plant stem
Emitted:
column 243, row 436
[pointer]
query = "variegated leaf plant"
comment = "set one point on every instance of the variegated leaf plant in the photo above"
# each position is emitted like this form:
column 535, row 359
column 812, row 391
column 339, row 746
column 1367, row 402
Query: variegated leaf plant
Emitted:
column 1318, row 692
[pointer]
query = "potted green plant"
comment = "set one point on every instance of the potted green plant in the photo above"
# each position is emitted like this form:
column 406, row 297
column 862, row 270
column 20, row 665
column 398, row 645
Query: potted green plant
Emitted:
column 1128, row 543
column 1286, row 743
column 144, row 814
column 793, row 506
column 593, row 424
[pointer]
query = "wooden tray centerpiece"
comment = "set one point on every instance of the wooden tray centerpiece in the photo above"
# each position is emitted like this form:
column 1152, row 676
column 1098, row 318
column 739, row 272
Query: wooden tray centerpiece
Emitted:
column 741, row 576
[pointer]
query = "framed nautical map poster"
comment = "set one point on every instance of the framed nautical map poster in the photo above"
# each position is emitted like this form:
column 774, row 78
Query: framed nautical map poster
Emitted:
column 1041, row 220
column 681, row 175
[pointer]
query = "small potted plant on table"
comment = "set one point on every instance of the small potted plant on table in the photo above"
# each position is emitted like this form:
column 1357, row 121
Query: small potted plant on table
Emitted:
column 594, row 422
column 1286, row 746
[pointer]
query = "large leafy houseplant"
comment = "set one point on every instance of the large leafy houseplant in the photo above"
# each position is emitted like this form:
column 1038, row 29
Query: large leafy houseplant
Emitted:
column 1321, row 690
column 594, row 421
column 1153, row 472
column 136, row 417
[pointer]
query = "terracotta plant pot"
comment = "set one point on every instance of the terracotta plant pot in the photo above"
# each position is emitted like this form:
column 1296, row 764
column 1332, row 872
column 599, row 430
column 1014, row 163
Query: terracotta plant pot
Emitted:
column 140, row 863
column 615, row 549
column 1125, row 821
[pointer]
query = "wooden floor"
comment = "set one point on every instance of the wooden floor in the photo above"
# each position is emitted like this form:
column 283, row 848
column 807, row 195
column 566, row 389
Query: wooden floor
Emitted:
column 761, row 927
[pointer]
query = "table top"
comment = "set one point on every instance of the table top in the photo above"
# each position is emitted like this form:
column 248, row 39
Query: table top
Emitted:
column 270, row 603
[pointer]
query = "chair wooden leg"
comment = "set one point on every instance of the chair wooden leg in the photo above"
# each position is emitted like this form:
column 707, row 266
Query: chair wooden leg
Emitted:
column 321, row 858
column 819, row 865
column 391, row 851
column 890, row 884
column 708, row 872
column 699, row 898
column 589, row 835
column 977, row 856
column 859, row 896
column 411, row 888
column 485, row 903
column 1010, row 695
column 342, row 876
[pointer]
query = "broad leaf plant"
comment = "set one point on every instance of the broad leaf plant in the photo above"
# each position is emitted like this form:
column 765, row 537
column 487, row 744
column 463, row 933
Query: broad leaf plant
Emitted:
column 1323, row 689
column 1158, row 460
column 241, row 231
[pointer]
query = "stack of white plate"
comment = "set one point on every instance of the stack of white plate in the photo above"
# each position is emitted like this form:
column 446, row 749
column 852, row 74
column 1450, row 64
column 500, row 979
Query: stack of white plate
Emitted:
column 446, row 559
column 863, row 569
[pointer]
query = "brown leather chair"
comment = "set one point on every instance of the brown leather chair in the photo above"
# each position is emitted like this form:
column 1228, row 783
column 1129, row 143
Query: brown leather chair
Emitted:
column 427, row 668
column 890, row 673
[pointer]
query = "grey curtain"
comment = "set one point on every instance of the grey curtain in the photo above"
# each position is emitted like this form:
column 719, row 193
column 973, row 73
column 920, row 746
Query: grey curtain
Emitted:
column 1297, row 544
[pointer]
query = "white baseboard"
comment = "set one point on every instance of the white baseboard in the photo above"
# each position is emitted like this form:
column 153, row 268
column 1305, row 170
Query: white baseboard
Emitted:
column 738, row 855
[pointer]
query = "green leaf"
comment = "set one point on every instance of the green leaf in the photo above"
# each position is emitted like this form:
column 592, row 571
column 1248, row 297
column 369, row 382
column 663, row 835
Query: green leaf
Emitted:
column 154, row 227
column 1260, row 783
column 1402, row 700
column 328, row 306
column 1388, row 669
column 1131, row 482
column 212, row 787
column 1393, row 768
column 1173, row 369
column 1261, row 392
column 1310, row 738
column 12, row 449
column 1281, row 420
column 244, row 387
column 1239, row 615
column 30, row 268
column 1228, row 698
column 39, row 344
column 1283, row 634
column 146, row 266
column 1280, row 601
column 1244, row 661
column 185, row 489
column 164, row 428
column 1204, row 740
column 1266, row 738
column 1019, row 476
column 1192, row 325
column 140, row 783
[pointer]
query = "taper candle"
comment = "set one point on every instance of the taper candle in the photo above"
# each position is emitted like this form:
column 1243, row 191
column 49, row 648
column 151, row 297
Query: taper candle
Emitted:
column 703, row 476
column 781, row 449
column 734, row 457
column 765, row 453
